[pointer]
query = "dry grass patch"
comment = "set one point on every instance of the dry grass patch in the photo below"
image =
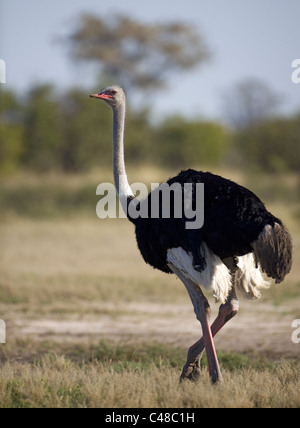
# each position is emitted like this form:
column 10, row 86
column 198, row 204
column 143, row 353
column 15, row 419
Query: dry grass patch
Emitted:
column 140, row 376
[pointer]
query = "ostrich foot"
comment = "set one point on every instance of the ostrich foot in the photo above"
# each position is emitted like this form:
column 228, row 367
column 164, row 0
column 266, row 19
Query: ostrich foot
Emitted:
column 191, row 371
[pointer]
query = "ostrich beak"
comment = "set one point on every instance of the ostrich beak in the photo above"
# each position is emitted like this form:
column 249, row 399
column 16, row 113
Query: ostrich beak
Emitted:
column 95, row 96
column 102, row 96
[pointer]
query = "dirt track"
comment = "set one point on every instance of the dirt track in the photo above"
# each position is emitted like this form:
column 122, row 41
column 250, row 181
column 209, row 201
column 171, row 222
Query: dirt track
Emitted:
column 258, row 326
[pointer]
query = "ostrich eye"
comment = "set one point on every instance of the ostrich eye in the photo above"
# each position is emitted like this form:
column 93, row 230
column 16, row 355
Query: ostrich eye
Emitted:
column 113, row 92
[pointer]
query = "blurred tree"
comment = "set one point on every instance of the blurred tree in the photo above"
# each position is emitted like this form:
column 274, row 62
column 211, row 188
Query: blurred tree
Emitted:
column 11, row 132
column 273, row 145
column 250, row 102
column 184, row 143
column 43, row 135
column 137, row 55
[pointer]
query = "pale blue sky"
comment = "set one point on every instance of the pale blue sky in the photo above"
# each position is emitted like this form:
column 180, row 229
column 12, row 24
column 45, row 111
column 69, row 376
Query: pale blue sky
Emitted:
column 257, row 38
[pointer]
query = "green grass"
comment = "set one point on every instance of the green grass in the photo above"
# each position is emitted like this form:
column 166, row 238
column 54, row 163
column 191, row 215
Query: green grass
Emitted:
column 122, row 356
column 143, row 375
column 283, row 293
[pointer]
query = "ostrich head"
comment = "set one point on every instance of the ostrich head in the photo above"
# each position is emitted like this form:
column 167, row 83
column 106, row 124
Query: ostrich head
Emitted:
column 113, row 95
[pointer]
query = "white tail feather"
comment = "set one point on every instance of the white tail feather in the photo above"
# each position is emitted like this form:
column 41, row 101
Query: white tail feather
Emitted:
column 215, row 277
column 249, row 278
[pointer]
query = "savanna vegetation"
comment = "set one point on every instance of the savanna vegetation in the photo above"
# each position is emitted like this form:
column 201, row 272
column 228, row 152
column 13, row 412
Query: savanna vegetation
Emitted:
column 80, row 137
column 90, row 325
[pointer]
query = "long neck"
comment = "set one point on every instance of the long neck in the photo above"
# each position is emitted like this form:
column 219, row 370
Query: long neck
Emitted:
column 123, row 189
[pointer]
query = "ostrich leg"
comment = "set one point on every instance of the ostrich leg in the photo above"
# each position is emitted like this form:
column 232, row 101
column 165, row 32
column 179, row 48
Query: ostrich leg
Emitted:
column 228, row 310
column 202, row 311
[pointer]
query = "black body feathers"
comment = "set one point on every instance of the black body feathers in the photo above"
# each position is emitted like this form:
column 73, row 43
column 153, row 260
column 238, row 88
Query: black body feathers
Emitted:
column 234, row 217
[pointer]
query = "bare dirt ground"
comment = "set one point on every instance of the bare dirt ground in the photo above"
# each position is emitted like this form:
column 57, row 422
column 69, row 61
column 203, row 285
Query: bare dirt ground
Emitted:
column 258, row 326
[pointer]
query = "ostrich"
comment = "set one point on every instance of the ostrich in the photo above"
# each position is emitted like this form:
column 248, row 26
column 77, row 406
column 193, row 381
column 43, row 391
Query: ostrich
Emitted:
column 239, row 241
